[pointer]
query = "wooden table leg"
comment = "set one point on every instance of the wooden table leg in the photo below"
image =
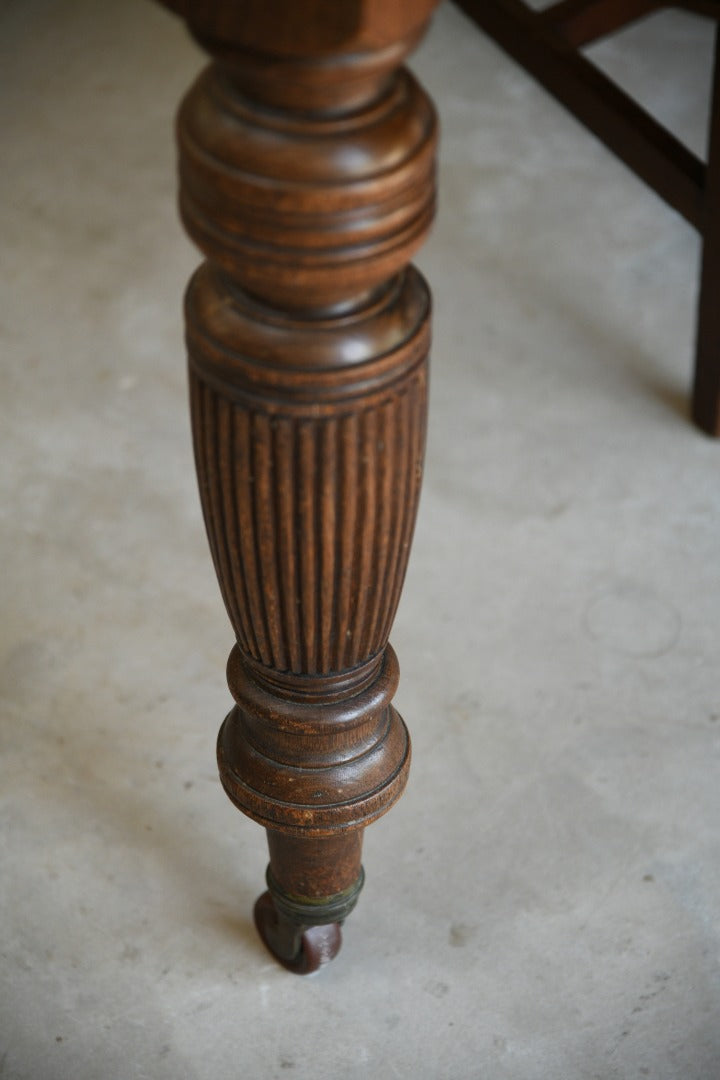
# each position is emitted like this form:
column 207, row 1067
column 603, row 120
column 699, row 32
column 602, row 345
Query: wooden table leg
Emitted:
column 307, row 179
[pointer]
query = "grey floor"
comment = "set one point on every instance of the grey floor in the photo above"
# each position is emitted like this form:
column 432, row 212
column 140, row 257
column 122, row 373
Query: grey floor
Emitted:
column 544, row 903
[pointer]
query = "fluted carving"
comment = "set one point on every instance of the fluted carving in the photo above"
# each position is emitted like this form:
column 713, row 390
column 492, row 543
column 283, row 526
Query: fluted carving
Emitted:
column 307, row 179
column 310, row 494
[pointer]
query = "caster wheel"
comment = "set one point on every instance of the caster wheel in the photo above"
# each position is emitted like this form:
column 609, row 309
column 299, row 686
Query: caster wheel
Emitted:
column 300, row 949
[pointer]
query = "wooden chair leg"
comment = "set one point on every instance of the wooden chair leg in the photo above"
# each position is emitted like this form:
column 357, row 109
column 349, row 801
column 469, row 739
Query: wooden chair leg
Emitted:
column 306, row 178
column 544, row 43
column 582, row 21
column 706, row 389
column 652, row 152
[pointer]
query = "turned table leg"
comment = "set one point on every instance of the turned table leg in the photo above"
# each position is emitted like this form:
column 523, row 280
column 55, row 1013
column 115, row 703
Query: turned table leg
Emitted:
column 307, row 179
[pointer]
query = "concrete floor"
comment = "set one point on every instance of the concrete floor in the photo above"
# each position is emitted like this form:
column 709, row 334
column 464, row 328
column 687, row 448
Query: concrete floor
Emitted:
column 544, row 902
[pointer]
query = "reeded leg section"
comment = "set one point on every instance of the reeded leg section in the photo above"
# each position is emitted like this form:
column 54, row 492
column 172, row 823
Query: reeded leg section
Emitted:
column 306, row 167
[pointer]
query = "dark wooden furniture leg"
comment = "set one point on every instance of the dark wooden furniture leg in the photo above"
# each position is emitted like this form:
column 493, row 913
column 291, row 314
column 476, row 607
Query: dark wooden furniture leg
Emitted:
column 546, row 44
column 706, row 391
column 307, row 179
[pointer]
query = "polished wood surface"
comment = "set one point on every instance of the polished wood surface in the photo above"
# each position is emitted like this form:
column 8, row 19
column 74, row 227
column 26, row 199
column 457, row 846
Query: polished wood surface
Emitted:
column 307, row 180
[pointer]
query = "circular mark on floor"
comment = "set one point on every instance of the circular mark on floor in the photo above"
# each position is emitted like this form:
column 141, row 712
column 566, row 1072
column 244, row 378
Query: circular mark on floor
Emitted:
column 633, row 620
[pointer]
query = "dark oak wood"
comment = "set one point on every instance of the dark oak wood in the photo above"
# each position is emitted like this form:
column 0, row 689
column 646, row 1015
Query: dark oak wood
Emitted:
column 546, row 44
column 644, row 145
column 307, row 180
column 706, row 391
column 583, row 21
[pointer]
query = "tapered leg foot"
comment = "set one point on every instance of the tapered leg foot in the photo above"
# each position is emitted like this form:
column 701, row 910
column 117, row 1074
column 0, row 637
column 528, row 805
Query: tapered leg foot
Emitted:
column 301, row 949
column 313, row 885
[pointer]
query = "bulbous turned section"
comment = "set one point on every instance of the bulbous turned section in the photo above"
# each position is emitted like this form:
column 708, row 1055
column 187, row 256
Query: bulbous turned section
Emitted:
column 347, row 759
column 307, row 212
